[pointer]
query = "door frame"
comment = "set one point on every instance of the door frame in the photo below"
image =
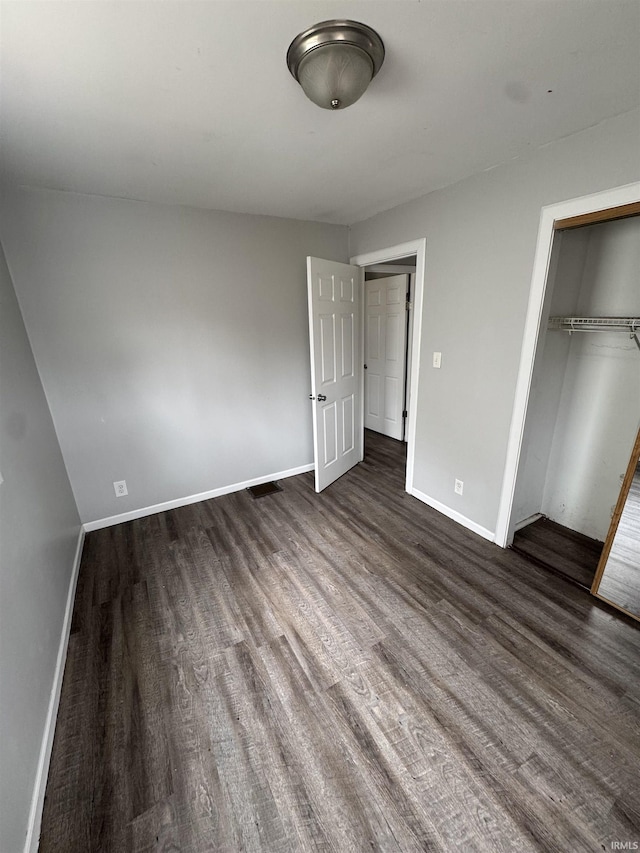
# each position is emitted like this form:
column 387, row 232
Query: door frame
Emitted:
column 551, row 217
column 381, row 256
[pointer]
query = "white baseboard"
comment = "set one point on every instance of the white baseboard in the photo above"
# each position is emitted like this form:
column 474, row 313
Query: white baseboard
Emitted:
column 37, row 800
column 527, row 521
column 192, row 499
column 454, row 515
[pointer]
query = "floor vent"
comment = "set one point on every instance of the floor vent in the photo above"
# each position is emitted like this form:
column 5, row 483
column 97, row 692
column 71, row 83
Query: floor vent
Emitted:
column 264, row 489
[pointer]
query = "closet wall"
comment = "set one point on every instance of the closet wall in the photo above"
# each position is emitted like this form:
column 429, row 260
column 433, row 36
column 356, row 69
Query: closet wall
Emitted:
column 585, row 402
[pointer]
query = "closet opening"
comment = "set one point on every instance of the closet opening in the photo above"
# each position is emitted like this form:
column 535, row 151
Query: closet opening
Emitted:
column 583, row 406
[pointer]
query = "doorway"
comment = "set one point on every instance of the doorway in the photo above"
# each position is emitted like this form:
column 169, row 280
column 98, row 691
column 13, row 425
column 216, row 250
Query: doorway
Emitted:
column 611, row 205
column 387, row 345
column 386, row 260
column 336, row 325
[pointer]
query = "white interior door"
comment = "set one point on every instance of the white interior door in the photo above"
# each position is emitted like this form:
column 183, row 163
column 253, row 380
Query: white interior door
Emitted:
column 334, row 331
column 385, row 354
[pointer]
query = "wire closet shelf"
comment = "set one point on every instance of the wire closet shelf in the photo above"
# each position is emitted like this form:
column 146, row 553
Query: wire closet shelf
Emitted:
column 630, row 325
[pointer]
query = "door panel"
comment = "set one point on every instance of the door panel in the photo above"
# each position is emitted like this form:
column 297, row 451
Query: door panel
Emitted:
column 348, row 354
column 348, row 424
column 391, row 398
column 385, row 336
column 330, row 429
column 372, row 394
column 334, row 330
column 374, row 332
column 393, row 336
column 327, row 349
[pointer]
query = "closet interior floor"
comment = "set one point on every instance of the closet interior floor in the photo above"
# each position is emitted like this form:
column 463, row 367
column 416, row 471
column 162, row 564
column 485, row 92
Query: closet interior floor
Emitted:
column 563, row 551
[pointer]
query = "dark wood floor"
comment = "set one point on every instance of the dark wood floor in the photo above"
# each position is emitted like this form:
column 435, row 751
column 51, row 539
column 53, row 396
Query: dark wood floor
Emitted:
column 560, row 550
column 348, row 671
column 621, row 579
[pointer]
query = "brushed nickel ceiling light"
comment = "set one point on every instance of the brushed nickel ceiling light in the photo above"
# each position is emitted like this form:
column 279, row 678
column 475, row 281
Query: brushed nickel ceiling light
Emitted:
column 335, row 61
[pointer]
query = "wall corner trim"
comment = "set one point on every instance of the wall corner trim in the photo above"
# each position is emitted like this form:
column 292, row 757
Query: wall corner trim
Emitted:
column 37, row 800
column 454, row 515
column 100, row 523
column 531, row 519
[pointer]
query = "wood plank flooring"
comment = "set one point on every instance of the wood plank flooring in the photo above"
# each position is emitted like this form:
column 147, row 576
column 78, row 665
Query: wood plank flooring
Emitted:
column 350, row 671
column 621, row 579
column 561, row 550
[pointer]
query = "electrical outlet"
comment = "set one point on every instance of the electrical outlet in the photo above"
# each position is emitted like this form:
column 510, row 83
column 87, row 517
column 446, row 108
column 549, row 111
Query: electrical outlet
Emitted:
column 437, row 359
column 120, row 488
column 458, row 487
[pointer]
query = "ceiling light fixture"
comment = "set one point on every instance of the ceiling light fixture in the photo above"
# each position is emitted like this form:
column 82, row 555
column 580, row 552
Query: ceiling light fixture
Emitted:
column 335, row 61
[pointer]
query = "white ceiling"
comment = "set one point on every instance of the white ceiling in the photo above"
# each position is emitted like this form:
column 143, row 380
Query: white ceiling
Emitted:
column 192, row 102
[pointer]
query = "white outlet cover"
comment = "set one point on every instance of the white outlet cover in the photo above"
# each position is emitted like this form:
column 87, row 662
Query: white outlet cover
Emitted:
column 120, row 488
column 459, row 487
column 437, row 359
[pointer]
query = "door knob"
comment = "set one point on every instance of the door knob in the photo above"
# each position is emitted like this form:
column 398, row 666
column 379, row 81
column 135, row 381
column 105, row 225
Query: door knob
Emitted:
column 365, row 367
column 321, row 397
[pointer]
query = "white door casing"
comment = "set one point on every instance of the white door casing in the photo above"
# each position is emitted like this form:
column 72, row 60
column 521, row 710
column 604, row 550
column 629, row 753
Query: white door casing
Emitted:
column 385, row 354
column 334, row 291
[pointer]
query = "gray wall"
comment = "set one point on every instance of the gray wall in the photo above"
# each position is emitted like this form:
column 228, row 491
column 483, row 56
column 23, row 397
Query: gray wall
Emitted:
column 172, row 342
column 481, row 237
column 39, row 529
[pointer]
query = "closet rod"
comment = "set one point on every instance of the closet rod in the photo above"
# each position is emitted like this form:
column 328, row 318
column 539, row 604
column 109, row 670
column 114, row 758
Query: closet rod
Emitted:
column 630, row 325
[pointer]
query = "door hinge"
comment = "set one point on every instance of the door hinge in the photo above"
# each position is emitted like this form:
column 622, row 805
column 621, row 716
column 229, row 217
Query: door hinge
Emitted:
column 404, row 413
column 408, row 305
